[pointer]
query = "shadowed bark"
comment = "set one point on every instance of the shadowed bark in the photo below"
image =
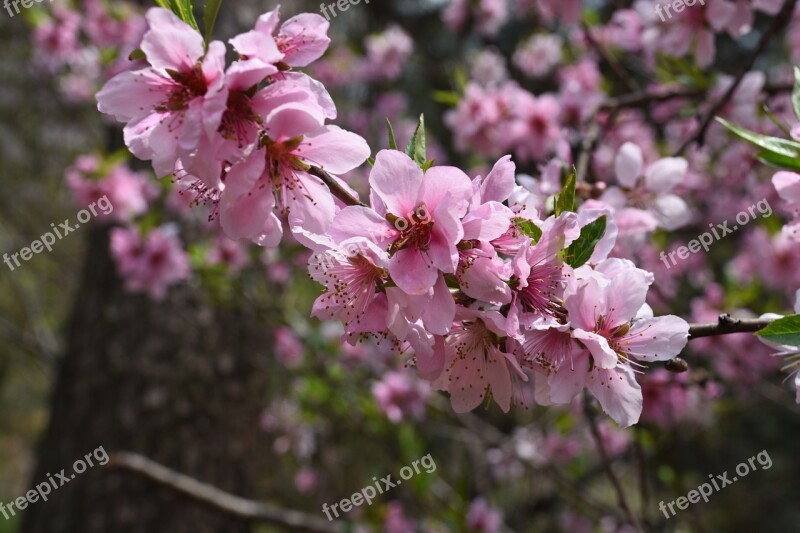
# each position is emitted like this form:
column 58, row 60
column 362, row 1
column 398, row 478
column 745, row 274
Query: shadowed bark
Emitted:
column 180, row 381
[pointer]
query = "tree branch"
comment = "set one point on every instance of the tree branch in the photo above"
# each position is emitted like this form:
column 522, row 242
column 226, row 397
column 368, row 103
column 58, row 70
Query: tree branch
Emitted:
column 588, row 409
column 219, row 499
column 726, row 324
column 778, row 23
column 337, row 190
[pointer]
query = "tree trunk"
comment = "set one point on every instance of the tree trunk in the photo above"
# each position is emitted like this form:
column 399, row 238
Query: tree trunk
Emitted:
column 180, row 381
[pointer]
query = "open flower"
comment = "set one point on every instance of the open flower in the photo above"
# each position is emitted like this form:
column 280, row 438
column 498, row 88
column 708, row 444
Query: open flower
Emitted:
column 416, row 217
column 168, row 105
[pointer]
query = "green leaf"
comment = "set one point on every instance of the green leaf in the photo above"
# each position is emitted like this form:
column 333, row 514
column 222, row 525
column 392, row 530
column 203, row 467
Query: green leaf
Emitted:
column 392, row 139
column 210, row 12
column 796, row 93
column 579, row 252
column 428, row 164
column 785, row 330
column 778, row 160
column 448, row 98
column 566, row 200
column 528, row 228
column 183, row 9
column 783, row 147
column 416, row 146
column 371, row 161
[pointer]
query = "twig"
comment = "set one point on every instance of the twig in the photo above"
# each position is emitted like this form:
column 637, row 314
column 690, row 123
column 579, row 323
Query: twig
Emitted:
column 664, row 94
column 621, row 498
column 618, row 69
column 337, row 190
column 726, row 325
column 778, row 23
column 587, row 147
column 219, row 499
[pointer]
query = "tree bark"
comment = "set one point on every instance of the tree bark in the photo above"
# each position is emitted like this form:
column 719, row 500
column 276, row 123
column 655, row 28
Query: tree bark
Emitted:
column 180, row 381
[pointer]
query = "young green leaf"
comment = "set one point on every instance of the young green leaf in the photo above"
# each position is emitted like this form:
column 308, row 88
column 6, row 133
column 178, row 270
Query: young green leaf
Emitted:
column 428, row 164
column 778, row 160
column 416, row 146
column 528, row 228
column 566, row 200
column 185, row 12
column 796, row 93
column 392, row 139
column 210, row 12
column 166, row 4
column 579, row 252
column 783, row 147
column 785, row 330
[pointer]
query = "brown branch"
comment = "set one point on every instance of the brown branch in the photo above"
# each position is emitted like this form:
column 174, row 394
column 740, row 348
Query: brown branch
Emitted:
column 622, row 500
column 612, row 62
column 337, row 190
column 778, row 23
column 219, row 499
column 726, row 325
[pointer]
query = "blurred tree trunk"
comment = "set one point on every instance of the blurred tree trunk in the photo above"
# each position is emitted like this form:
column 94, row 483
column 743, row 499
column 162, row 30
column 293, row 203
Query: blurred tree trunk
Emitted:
column 180, row 381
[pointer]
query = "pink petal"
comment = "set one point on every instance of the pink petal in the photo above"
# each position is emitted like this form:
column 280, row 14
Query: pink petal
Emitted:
column 788, row 186
column 487, row 222
column 397, row 180
column 334, row 149
column 604, row 356
column 441, row 310
column 665, row 174
column 358, row 221
column 569, row 379
column 171, row 43
column 132, row 94
column 500, row 183
column 628, row 164
column 619, row 394
column 656, row 339
column 412, row 271
column 304, row 39
column 447, row 184
column 499, row 378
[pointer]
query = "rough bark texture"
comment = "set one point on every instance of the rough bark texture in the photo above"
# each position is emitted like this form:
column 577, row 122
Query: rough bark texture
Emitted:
column 181, row 382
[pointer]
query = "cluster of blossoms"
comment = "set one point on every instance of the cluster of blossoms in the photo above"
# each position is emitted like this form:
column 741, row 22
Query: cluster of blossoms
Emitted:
column 74, row 44
column 469, row 274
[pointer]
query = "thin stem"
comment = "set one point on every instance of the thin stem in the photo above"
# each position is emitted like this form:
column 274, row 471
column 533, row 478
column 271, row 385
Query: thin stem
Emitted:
column 778, row 23
column 219, row 499
column 622, row 500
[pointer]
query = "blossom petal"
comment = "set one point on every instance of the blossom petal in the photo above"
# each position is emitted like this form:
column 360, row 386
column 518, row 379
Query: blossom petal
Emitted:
column 619, row 394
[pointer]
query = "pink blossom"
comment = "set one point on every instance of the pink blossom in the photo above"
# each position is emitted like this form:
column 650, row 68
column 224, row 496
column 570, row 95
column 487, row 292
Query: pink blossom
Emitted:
column 388, row 53
column 168, row 105
column 476, row 363
column 483, row 518
column 401, row 396
column 788, row 186
column 425, row 211
column 538, row 55
column 288, row 347
column 129, row 193
column 648, row 191
column 149, row 263
column 274, row 177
